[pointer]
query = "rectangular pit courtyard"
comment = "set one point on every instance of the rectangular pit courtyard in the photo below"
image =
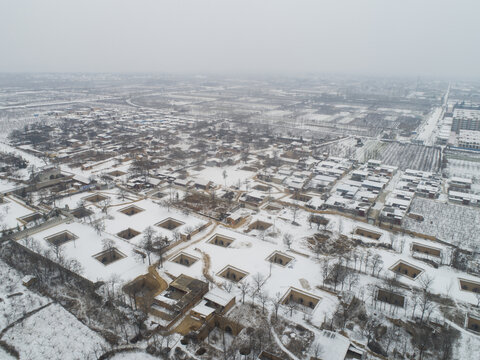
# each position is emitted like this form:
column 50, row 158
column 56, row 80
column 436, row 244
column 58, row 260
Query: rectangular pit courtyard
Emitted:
column 233, row 274
column 280, row 258
column 469, row 285
column 221, row 240
column 95, row 198
column 170, row 224
column 131, row 210
column 426, row 250
column 30, row 217
column 473, row 323
column 390, row 297
column 61, row 238
column 81, row 212
column 184, row 259
column 301, row 298
column 406, row 269
column 109, row 256
column 128, row 234
column 259, row 225
column 368, row 233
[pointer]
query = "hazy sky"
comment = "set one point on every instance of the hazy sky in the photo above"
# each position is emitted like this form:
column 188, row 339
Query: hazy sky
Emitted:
column 398, row 37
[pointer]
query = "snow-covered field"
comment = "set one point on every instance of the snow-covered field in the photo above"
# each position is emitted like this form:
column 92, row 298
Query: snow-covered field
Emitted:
column 14, row 307
column 53, row 333
column 463, row 165
column 402, row 155
column 11, row 210
column 6, row 185
column 5, row 147
column 133, row 355
column 448, row 222
column 250, row 254
column 88, row 244
column 215, row 174
column 152, row 214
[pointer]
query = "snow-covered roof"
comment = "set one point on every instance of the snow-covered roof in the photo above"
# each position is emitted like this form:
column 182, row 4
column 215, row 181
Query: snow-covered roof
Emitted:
column 203, row 309
column 460, row 180
column 81, row 179
column 334, row 346
column 218, row 296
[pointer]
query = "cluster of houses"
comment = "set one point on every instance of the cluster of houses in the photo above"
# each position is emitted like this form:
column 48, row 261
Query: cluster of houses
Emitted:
column 153, row 167
column 411, row 183
column 460, row 191
column 422, row 183
column 358, row 193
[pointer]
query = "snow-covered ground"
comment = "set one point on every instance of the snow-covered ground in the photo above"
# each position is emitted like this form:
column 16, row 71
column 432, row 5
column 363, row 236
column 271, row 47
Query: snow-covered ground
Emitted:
column 215, row 174
column 12, row 209
column 53, row 333
column 133, row 355
column 88, row 244
column 6, row 185
column 14, row 307
column 249, row 254
column 455, row 224
column 33, row 160
column 150, row 215
column 463, row 165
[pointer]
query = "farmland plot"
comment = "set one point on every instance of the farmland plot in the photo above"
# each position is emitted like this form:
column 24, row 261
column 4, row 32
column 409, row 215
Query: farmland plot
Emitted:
column 54, row 333
column 464, row 165
column 15, row 299
column 455, row 224
column 404, row 156
column 343, row 148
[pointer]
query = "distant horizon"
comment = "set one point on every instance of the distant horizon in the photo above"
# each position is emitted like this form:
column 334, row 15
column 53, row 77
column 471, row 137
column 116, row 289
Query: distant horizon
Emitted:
column 435, row 39
column 246, row 75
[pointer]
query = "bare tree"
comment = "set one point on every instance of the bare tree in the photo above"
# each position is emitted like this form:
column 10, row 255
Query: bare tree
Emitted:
column 160, row 243
column 426, row 303
column 147, row 243
column 258, row 281
column 337, row 274
column 263, row 297
column 352, row 279
column 445, row 342
column 228, row 285
column 122, row 193
column 317, row 350
column 56, row 249
column 375, row 263
column 244, row 287
column 291, row 306
column 366, row 259
column 276, row 302
column 294, row 208
column 108, row 244
column 325, row 268
column 105, row 204
column 287, row 240
column 99, row 226
column 224, row 175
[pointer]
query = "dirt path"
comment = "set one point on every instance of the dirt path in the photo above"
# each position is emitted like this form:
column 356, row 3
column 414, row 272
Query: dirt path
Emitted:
column 152, row 270
column 177, row 250
column 268, row 184
column 206, row 267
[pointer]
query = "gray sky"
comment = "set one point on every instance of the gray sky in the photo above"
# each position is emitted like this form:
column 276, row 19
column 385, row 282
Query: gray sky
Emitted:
column 397, row 37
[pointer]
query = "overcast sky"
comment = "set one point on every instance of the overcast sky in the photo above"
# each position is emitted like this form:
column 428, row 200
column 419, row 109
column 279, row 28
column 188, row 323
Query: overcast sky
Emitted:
column 397, row 37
